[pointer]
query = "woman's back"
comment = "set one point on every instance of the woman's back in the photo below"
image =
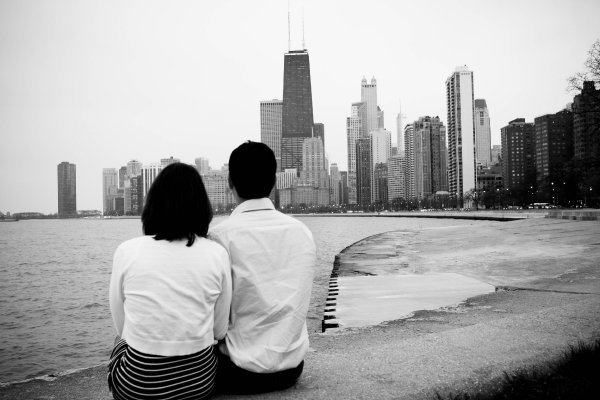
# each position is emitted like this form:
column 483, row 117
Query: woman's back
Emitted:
column 169, row 292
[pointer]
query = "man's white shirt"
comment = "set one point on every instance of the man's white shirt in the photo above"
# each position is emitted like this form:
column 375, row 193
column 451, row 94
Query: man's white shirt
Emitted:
column 272, row 259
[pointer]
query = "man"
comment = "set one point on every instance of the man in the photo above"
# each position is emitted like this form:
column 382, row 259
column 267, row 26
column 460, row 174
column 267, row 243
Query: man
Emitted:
column 272, row 260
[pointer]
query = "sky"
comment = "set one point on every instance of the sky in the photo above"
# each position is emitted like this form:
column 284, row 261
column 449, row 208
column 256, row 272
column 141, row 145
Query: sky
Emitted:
column 98, row 83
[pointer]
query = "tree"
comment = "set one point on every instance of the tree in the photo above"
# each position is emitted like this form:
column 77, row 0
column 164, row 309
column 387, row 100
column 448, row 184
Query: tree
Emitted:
column 592, row 73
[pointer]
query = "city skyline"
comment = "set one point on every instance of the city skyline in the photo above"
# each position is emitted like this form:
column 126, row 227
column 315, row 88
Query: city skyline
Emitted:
column 100, row 88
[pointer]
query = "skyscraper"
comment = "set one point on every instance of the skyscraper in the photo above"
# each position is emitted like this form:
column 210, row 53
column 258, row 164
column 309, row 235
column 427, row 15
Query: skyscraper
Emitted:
column 314, row 171
column 270, row 126
column 353, row 133
column 110, row 185
column 297, row 110
column 517, row 154
column 586, row 138
column 364, row 168
column 202, row 165
column 381, row 147
column 461, row 133
column 483, row 133
column 149, row 174
column 396, row 177
column 67, row 190
column 430, row 156
column 335, row 184
column 368, row 96
column 410, row 188
column 553, row 145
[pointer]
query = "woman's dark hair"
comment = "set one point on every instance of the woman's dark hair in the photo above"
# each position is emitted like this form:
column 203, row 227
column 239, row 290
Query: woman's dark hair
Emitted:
column 177, row 206
column 252, row 168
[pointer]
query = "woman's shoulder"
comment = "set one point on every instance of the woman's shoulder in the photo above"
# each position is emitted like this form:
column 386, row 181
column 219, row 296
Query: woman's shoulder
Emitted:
column 134, row 243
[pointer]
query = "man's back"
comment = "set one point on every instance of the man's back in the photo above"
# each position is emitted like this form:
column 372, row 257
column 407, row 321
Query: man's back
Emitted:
column 272, row 257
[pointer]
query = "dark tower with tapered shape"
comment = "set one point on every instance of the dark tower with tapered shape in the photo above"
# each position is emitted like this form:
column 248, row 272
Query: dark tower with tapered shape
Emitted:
column 297, row 118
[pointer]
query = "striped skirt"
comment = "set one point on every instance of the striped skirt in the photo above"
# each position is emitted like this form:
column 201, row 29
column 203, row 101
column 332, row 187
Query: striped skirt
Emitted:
column 136, row 375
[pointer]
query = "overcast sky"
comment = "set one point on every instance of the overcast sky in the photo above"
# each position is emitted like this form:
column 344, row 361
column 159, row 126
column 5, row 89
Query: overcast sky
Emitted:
column 98, row 83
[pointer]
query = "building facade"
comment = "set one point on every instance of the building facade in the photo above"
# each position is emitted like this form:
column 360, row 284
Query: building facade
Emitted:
column 67, row 189
column 335, row 183
column 297, row 108
column 553, row 145
column 396, row 177
column 353, row 133
column 518, row 166
column 483, row 134
column 202, row 165
column 410, row 187
column 110, row 184
column 381, row 148
column 586, row 139
column 364, row 167
column 429, row 140
column 461, row 134
column 270, row 126
column 368, row 96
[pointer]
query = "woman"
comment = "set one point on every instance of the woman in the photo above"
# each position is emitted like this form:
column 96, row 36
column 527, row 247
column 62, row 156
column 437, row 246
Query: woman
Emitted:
column 170, row 293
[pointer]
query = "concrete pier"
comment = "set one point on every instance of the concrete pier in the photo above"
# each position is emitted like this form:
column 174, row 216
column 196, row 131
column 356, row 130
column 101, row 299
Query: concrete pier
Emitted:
column 545, row 274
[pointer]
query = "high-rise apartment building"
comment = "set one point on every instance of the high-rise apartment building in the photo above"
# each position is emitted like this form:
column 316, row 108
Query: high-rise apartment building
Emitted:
column 461, row 134
column 410, row 188
column 134, row 168
column 399, row 132
column 67, row 189
column 217, row 187
column 297, row 108
column 429, row 140
column 353, row 133
column 344, row 187
column 379, row 185
column 314, row 171
column 518, row 167
column 202, row 165
column 110, row 185
column 483, row 133
column 396, row 177
column 270, row 126
column 381, row 147
column 122, row 176
column 586, row 136
column 149, row 174
column 368, row 96
column 364, row 168
column 553, row 145
column 335, row 183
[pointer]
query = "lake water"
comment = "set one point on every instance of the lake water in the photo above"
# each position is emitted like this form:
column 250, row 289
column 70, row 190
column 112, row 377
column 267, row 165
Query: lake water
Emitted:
column 54, row 275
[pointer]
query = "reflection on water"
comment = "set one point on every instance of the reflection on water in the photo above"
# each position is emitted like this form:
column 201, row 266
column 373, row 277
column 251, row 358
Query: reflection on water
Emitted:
column 54, row 276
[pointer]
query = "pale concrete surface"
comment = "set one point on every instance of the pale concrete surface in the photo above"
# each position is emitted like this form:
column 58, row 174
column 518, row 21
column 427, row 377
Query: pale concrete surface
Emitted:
column 370, row 300
column 466, row 347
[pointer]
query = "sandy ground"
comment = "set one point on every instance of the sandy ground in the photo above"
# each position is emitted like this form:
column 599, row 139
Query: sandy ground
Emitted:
column 548, row 278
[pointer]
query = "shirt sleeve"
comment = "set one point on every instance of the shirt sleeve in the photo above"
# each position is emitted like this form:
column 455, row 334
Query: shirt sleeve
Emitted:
column 223, row 304
column 115, row 292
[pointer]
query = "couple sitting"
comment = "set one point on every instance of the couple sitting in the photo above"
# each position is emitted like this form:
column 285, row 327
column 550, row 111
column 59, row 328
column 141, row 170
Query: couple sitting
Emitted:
column 199, row 312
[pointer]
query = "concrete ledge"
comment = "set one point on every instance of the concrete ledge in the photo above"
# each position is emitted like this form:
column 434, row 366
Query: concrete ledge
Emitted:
column 580, row 215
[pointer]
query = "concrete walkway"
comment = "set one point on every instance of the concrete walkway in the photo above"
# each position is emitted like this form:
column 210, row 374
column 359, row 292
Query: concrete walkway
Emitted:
column 548, row 276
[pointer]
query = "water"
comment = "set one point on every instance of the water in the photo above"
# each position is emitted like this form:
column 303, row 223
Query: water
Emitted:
column 54, row 276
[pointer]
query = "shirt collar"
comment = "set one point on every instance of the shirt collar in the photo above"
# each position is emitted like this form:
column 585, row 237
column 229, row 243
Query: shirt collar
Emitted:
column 253, row 205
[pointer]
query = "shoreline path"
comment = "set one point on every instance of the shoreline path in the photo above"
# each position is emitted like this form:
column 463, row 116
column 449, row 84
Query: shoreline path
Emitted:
column 546, row 276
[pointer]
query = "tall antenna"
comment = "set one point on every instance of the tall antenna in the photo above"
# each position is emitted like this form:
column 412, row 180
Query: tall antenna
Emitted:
column 303, row 43
column 289, row 35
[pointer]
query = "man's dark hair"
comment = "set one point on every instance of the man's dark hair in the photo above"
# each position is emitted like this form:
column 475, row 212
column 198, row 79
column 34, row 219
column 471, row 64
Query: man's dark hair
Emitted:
column 177, row 206
column 252, row 168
